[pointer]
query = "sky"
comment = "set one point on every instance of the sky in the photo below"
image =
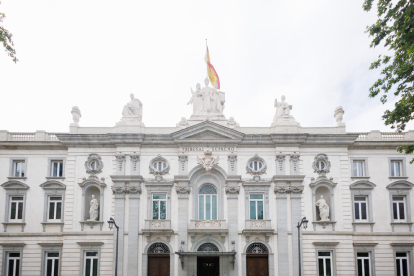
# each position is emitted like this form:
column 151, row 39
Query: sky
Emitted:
column 93, row 54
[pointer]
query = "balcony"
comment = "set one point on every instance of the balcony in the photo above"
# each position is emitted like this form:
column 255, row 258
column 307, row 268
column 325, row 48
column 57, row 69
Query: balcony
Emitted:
column 211, row 227
column 263, row 227
column 157, row 227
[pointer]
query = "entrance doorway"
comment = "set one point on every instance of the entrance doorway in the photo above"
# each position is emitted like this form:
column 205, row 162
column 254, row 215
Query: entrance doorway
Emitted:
column 257, row 265
column 208, row 266
column 159, row 265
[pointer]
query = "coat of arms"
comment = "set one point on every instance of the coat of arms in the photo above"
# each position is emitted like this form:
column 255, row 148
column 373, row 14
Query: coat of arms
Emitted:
column 207, row 161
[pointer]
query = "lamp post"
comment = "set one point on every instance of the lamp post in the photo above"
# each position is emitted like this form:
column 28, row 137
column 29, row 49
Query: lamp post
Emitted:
column 304, row 221
column 112, row 223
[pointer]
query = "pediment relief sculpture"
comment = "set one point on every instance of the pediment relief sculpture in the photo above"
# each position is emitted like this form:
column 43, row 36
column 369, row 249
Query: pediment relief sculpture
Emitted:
column 208, row 162
column 182, row 190
column 232, row 190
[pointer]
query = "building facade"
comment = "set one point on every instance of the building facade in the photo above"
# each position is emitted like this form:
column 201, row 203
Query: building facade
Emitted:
column 206, row 197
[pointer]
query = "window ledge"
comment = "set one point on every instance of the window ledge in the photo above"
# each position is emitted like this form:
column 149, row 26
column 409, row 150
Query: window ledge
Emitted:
column 15, row 177
column 323, row 224
column 5, row 224
column 54, row 177
column 398, row 177
column 370, row 223
column 360, row 177
column 410, row 225
column 52, row 223
column 91, row 224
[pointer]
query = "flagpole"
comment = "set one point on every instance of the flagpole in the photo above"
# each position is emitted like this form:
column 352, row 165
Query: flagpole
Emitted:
column 206, row 60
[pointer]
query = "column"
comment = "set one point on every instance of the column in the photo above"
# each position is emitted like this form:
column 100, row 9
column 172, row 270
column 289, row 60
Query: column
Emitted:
column 119, row 216
column 232, row 192
column 134, row 191
column 295, row 202
column 282, row 235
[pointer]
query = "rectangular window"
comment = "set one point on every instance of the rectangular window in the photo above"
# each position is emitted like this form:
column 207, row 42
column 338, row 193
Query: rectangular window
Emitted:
column 55, row 208
column 56, row 168
column 358, row 168
column 396, row 168
column 159, row 206
column 364, row 264
column 360, row 208
column 256, row 207
column 16, row 208
column 13, row 264
column 207, row 207
column 324, row 264
column 19, row 168
column 402, row 263
column 91, row 264
column 398, row 208
column 52, row 264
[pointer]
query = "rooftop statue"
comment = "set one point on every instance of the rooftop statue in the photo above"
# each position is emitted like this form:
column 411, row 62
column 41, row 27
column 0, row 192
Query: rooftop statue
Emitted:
column 282, row 109
column 133, row 108
column 207, row 101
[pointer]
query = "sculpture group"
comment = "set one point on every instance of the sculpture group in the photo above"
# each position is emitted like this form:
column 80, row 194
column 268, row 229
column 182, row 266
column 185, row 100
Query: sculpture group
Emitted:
column 207, row 100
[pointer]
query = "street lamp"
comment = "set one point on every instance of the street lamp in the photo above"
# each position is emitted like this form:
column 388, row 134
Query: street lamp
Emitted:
column 112, row 223
column 304, row 221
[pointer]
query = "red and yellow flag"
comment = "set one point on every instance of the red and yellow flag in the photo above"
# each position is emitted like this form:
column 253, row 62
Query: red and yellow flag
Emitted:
column 212, row 74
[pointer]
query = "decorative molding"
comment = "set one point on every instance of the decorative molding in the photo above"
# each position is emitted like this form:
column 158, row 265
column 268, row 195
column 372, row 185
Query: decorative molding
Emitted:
column 15, row 185
column 289, row 189
column 182, row 190
column 400, row 185
column 327, row 165
column 207, row 162
column 322, row 180
column 95, row 181
column 93, row 157
column 280, row 160
column 126, row 190
column 157, row 224
column 232, row 190
column 232, row 158
column 207, row 224
column 256, row 174
column 258, row 224
column 91, row 224
column 53, row 185
column 362, row 185
column 294, row 163
column 182, row 159
column 120, row 160
column 158, row 174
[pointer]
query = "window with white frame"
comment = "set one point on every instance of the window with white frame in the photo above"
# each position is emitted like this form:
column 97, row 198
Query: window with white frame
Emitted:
column 159, row 165
column 364, row 263
column 207, row 203
column 396, row 168
column 325, row 263
column 256, row 165
column 159, row 206
column 91, row 261
column 16, row 208
column 13, row 264
column 19, row 168
column 398, row 208
column 256, row 207
column 56, row 168
column 358, row 168
column 402, row 263
column 360, row 208
column 51, row 264
column 55, row 208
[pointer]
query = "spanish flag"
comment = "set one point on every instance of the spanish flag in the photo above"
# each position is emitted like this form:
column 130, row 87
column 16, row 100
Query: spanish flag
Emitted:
column 212, row 74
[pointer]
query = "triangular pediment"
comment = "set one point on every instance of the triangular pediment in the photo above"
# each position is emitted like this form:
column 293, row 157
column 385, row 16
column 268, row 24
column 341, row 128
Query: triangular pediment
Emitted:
column 207, row 132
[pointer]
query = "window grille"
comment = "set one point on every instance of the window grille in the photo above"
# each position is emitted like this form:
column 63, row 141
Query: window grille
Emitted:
column 257, row 248
column 208, row 189
column 208, row 247
column 158, row 248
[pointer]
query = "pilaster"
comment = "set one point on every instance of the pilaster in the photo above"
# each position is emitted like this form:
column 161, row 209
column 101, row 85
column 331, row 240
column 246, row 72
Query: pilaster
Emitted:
column 232, row 191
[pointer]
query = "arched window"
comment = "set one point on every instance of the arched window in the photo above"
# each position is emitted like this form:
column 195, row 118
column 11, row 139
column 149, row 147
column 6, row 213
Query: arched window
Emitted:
column 257, row 248
column 208, row 247
column 207, row 203
column 158, row 248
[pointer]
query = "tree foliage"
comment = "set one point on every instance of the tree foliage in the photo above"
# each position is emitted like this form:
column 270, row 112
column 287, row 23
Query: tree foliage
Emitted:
column 395, row 29
column 6, row 39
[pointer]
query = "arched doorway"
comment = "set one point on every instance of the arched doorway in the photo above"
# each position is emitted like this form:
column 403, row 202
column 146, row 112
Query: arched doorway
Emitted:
column 208, row 266
column 257, row 260
column 158, row 260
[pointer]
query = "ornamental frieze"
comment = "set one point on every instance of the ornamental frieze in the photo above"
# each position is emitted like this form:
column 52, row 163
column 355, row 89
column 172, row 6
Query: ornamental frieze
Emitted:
column 289, row 189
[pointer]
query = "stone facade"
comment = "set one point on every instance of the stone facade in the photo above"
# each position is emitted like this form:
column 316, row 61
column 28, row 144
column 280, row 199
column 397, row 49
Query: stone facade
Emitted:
column 156, row 182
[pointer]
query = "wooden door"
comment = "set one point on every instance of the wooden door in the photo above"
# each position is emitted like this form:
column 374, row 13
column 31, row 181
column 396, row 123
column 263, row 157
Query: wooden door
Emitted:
column 257, row 265
column 159, row 265
column 208, row 266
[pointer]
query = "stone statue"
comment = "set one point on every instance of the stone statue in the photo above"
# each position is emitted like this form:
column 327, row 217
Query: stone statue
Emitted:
column 133, row 108
column 282, row 108
column 339, row 113
column 93, row 210
column 76, row 115
column 197, row 99
column 323, row 209
column 207, row 101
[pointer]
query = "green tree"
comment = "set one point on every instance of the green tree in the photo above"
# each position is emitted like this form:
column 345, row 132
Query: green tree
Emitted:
column 395, row 29
column 6, row 39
